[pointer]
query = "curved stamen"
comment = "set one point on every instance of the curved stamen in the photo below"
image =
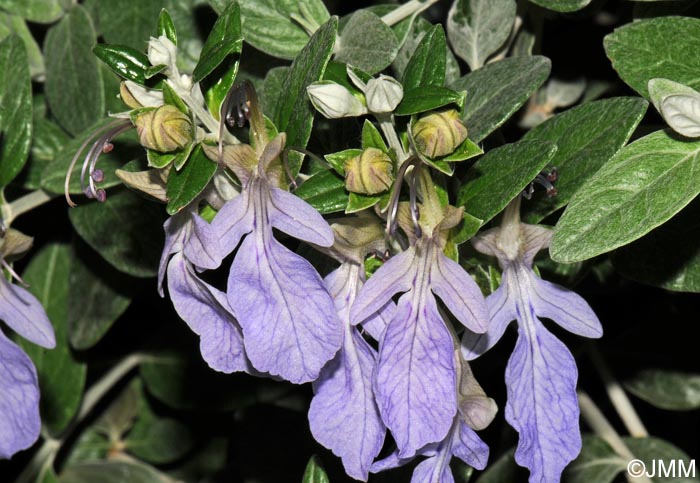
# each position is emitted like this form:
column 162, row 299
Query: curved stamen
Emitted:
column 413, row 201
column 393, row 205
column 14, row 274
column 544, row 179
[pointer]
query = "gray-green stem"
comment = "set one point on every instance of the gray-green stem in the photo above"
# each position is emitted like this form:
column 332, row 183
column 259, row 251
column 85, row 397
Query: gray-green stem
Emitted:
column 24, row 204
column 406, row 10
column 386, row 124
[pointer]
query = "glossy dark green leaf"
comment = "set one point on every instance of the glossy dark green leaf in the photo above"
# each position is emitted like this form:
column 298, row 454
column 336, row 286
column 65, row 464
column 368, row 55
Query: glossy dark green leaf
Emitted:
column 166, row 27
column 673, row 390
column 427, row 98
column 295, row 114
column 314, row 472
column 185, row 185
column 54, row 174
column 124, row 61
column 427, row 65
column 478, row 28
column 40, row 11
column 110, row 472
column 225, row 39
column 586, row 136
column 126, row 230
column 15, row 108
column 496, row 91
column 216, row 93
column 185, row 15
column 640, row 188
column 367, row 43
column 72, row 72
column 597, row 462
column 562, row 5
column 659, row 47
column 98, row 296
column 358, row 202
column 127, row 22
column 500, row 175
column 61, row 376
column 325, row 192
column 669, row 256
column 371, row 137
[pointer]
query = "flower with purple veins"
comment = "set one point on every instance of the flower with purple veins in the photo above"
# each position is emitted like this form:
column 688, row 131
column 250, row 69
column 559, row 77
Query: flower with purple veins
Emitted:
column 343, row 415
column 416, row 377
column 541, row 373
column 20, row 424
column 289, row 322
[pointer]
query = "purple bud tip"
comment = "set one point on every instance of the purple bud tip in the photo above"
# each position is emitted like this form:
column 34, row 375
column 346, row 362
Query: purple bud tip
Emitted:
column 98, row 176
column 101, row 196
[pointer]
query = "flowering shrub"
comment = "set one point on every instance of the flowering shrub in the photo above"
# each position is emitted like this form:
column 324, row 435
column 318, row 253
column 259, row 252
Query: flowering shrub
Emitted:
column 363, row 198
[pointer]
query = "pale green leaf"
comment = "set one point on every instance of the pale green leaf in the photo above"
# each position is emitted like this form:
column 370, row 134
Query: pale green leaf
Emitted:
column 40, row 11
column 673, row 390
column 367, row 43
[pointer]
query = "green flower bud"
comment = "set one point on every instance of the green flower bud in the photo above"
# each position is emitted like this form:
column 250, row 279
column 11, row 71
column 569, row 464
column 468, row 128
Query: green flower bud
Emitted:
column 370, row 173
column 439, row 134
column 164, row 129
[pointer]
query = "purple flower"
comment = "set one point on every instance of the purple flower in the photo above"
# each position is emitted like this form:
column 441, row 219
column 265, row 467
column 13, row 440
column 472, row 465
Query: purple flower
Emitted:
column 289, row 322
column 343, row 415
column 416, row 377
column 20, row 424
column 541, row 373
column 193, row 245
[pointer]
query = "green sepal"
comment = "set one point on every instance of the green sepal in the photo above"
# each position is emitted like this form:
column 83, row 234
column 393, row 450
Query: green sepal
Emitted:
column 337, row 160
column 171, row 97
column 372, row 138
column 159, row 160
column 182, row 156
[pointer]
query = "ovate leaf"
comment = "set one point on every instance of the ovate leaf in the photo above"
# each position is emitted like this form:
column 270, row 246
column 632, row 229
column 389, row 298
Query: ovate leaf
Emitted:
column 40, row 11
column 325, row 192
column 185, row 185
column 127, row 22
column 367, row 43
column 225, row 39
column 427, row 65
column 314, row 472
column 673, row 390
column 562, row 5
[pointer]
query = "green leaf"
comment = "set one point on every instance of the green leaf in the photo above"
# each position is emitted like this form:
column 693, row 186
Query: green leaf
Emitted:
column 159, row 160
column 272, row 93
column 325, row 192
column 61, row 376
column 669, row 256
column 185, row 14
column 427, row 98
column 658, row 47
column 268, row 25
column 371, row 138
column 653, row 450
column 54, row 174
column 367, row 43
column 171, row 97
column 13, row 24
column 337, row 160
column 500, row 175
column 498, row 90
column 427, row 64
column 467, row 150
column 401, row 29
column 314, row 472
column 597, row 462
column 155, row 438
column 124, row 61
column 478, row 28
column 40, row 11
column 295, row 114
column 225, row 76
column 358, row 202
column 676, row 391
column 166, row 27
column 126, row 230
column 72, row 72
column 15, row 109
column 641, row 187
column 225, row 39
column 586, row 136
column 466, row 229
column 47, row 142
column 502, row 470
column 110, row 472
column 185, row 185
column 562, row 5
column 97, row 296
column 127, row 22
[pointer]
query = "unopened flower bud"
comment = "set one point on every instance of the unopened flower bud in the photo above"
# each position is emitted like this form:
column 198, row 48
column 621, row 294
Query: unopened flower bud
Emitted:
column 439, row 134
column 136, row 96
column 383, row 94
column 370, row 173
column 164, row 129
column 334, row 101
column 162, row 51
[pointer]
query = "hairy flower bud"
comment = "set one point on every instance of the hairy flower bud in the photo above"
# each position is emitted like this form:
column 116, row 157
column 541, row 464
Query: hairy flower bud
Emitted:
column 334, row 101
column 370, row 173
column 439, row 134
column 164, row 129
column 162, row 51
column 383, row 94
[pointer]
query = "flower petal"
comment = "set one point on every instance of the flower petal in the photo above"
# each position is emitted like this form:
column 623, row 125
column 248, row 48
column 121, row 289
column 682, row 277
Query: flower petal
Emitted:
column 23, row 313
column 388, row 463
column 343, row 415
column 396, row 275
column 297, row 218
column 468, row 446
column 434, row 469
column 502, row 311
column 415, row 376
column 234, row 220
column 202, row 246
column 565, row 307
column 542, row 406
column 289, row 323
column 460, row 294
column 175, row 233
column 206, row 311
column 19, row 400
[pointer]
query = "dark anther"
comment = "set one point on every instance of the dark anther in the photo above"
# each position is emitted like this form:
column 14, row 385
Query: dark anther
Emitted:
column 236, row 106
column 544, row 179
